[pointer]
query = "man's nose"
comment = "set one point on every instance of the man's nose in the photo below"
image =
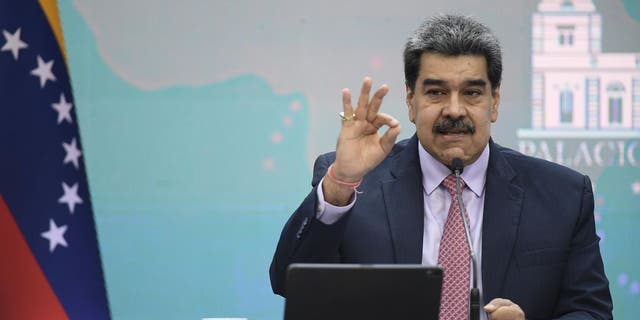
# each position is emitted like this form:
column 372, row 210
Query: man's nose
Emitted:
column 455, row 108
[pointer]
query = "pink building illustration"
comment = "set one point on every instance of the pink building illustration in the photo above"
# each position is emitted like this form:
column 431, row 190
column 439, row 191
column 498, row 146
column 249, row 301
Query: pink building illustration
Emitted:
column 577, row 90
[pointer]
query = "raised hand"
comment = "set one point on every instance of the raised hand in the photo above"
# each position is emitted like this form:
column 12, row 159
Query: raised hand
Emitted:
column 360, row 148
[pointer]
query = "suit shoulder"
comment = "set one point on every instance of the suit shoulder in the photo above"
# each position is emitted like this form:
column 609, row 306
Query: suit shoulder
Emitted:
column 399, row 147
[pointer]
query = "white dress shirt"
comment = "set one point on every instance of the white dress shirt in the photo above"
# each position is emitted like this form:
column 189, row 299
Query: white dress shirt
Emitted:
column 437, row 201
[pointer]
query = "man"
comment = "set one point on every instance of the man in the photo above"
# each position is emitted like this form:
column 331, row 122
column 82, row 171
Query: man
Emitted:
column 531, row 221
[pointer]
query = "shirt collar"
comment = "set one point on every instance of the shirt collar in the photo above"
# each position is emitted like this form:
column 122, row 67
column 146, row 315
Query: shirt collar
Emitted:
column 474, row 174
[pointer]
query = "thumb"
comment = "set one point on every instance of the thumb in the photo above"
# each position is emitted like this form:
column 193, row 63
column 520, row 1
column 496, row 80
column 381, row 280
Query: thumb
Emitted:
column 490, row 308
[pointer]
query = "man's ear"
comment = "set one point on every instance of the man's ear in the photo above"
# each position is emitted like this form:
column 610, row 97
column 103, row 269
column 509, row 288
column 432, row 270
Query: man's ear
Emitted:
column 496, row 104
column 410, row 103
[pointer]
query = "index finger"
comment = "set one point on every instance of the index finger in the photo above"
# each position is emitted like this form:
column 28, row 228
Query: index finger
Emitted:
column 346, row 102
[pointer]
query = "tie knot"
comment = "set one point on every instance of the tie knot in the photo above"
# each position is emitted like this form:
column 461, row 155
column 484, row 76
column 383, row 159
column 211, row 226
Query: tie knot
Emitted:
column 450, row 183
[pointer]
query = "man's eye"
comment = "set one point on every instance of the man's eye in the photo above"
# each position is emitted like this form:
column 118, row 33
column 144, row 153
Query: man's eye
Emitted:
column 473, row 93
column 435, row 92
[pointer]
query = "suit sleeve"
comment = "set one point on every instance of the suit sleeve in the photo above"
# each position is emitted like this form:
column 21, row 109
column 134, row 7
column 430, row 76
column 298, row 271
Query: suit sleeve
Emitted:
column 304, row 238
column 585, row 286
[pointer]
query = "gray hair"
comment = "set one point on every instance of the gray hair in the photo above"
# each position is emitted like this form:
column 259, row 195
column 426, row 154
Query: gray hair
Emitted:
column 452, row 35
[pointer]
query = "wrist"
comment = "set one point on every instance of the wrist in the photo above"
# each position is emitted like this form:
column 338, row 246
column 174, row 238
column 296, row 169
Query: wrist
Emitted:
column 336, row 194
column 346, row 183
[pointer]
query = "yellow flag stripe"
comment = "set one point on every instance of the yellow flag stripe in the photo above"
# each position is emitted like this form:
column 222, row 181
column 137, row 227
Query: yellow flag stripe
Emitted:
column 50, row 8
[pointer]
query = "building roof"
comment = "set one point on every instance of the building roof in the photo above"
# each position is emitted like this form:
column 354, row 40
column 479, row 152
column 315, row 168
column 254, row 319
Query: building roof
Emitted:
column 566, row 6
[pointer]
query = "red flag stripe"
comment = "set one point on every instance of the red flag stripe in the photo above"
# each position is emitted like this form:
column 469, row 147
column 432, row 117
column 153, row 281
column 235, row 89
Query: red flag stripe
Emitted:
column 22, row 282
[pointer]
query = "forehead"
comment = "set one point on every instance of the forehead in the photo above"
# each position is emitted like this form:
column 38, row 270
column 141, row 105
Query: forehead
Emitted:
column 452, row 68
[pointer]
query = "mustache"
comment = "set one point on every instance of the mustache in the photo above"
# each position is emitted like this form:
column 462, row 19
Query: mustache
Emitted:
column 448, row 125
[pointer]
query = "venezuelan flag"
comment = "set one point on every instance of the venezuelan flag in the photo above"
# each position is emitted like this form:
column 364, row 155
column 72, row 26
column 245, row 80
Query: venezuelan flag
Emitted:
column 50, row 265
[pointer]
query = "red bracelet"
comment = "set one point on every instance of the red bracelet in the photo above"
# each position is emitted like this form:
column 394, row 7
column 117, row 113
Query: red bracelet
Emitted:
column 350, row 185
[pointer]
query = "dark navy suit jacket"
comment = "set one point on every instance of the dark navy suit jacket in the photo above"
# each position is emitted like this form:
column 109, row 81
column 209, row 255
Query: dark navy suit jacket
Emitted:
column 539, row 245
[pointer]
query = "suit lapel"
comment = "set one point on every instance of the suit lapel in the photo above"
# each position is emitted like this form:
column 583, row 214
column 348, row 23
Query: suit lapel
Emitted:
column 503, row 204
column 404, row 204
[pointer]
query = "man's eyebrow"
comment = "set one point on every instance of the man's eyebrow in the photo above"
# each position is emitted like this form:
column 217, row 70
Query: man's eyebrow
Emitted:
column 432, row 82
column 475, row 82
column 469, row 83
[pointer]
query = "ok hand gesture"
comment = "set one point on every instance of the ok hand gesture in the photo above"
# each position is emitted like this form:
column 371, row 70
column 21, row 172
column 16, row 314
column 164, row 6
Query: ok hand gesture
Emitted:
column 360, row 148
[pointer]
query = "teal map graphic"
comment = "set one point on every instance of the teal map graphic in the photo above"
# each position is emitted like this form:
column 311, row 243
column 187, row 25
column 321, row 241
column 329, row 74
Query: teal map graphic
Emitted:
column 200, row 122
column 190, row 186
column 617, row 221
column 633, row 8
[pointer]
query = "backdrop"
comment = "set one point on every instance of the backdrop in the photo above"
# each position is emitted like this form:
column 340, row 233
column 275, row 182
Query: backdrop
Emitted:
column 200, row 121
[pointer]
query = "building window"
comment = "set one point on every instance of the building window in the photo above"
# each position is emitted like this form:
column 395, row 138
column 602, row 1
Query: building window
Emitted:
column 565, row 35
column 566, row 105
column 615, row 91
column 615, row 110
column 593, row 102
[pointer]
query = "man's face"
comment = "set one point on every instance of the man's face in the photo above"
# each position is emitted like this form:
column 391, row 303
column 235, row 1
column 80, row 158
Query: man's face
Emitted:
column 453, row 106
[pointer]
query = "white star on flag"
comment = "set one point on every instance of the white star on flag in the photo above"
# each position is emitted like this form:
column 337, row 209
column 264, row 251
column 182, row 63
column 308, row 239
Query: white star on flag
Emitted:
column 13, row 44
column 64, row 109
column 43, row 71
column 55, row 235
column 70, row 196
column 72, row 152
